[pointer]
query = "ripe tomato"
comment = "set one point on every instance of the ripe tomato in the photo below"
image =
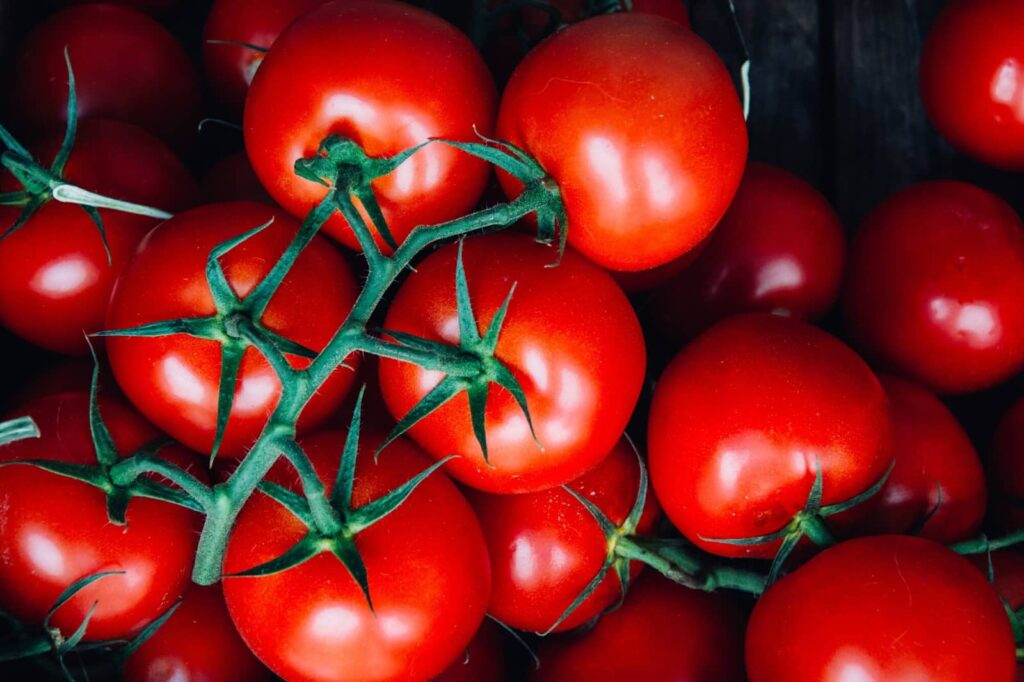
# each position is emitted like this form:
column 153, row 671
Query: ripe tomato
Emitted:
column 198, row 643
column 1008, row 571
column 972, row 70
column 427, row 569
column 743, row 417
column 780, row 247
column 898, row 608
column 1006, row 473
column 57, row 279
column 546, row 547
column 931, row 290
column 232, row 179
column 409, row 76
column 646, row 171
column 127, row 67
column 578, row 355
column 662, row 632
column 174, row 380
column 484, row 658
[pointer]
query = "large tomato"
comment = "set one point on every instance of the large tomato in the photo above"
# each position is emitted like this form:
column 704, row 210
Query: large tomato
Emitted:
column 408, row 76
column 57, row 279
column 743, row 418
column 882, row 608
column 637, row 120
column 174, row 380
column 1006, row 469
column 426, row 565
column 931, row 289
column 571, row 339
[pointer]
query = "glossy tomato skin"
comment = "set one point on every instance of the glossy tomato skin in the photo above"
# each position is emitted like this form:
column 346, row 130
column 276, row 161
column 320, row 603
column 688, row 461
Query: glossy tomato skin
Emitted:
column 115, row 52
column 485, row 658
column 57, row 280
column 409, row 76
column 173, row 380
column 743, row 416
column 972, row 70
column 898, row 608
column 663, row 632
column 427, row 568
column 931, row 287
column 645, row 172
column 1006, row 469
column 779, row 248
column 579, row 356
column 545, row 546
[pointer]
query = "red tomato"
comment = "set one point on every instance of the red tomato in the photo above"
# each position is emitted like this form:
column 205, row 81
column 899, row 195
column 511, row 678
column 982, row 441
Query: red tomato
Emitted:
column 484, row 658
column 578, row 355
column 409, row 76
column 931, row 290
column 546, row 547
column 662, row 632
column 1006, row 469
column 972, row 79
column 645, row 171
column 174, row 380
column 57, row 279
column 898, row 608
column 743, row 417
column 198, row 643
column 780, row 247
column 1008, row 571
column 232, row 179
column 427, row 569
column 127, row 67
column 638, row 281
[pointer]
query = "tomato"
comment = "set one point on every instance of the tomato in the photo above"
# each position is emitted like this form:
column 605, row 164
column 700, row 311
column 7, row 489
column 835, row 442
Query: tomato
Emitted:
column 578, row 355
column 198, row 643
column 1008, row 571
column 662, row 632
column 780, row 248
column 637, row 120
column 546, row 547
column 409, row 76
column 899, row 608
column 1006, row 475
column 426, row 564
column 484, row 658
column 57, row 279
column 232, row 179
column 743, row 418
column 116, row 53
column 972, row 69
column 174, row 380
column 931, row 287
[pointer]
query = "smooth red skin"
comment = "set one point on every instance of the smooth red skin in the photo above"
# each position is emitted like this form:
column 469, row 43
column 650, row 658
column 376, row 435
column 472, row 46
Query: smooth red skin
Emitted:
column 637, row 120
column 427, row 568
column 198, row 643
column 662, row 633
column 578, row 355
column 484, row 658
column 127, row 67
column 233, row 179
column 931, row 287
column 1008, row 570
column 55, row 530
column 545, row 547
column 57, row 280
column 780, row 247
column 409, row 76
column 1006, row 469
column 891, row 607
column 745, row 414
column 972, row 79
column 174, row 380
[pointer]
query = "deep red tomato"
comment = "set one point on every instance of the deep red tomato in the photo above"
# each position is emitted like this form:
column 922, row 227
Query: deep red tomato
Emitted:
column 662, row 632
column 127, row 67
column 780, row 248
column 1006, row 469
column 743, row 417
column 57, row 280
column 232, row 179
column 409, row 76
column 571, row 339
column 545, row 547
column 174, row 380
column 646, row 171
column 484, row 658
column 972, row 79
column 931, row 289
column 898, row 608
column 427, row 569
column 1008, row 571
column 198, row 643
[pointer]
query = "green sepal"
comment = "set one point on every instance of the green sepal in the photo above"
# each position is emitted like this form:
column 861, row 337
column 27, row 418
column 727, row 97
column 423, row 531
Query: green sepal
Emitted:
column 60, row 161
column 196, row 327
column 839, row 507
column 102, row 441
column 86, row 473
column 224, row 296
column 608, row 528
column 291, row 501
column 144, row 487
column 362, row 518
column 231, row 354
column 789, row 543
column 286, row 345
column 19, row 198
column 581, row 597
column 637, row 510
column 17, row 429
column 446, row 389
column 369, row 201
column 97, row 220
column 131, row 647
column 30, row 208
column 918, row 527
column 79, row 633
column 74, row 588
column 303, row 550
column 341, row 494
column 348, row 554
column 239, row 43
column 117, row 506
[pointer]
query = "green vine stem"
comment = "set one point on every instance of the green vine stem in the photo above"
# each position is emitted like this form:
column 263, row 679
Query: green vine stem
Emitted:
column 18, row 429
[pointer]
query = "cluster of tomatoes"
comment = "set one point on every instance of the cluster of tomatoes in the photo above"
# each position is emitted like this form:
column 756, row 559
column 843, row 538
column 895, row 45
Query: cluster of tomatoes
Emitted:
column 359, row 400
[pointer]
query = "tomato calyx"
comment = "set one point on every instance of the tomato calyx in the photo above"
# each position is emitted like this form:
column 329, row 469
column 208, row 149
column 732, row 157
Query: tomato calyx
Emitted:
column 18, row 429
